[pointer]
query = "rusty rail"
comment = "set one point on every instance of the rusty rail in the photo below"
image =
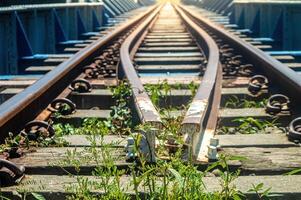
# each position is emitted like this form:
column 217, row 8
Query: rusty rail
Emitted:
column 146, row 110
column 28, row 104
column 274, row 69
column 200, row 120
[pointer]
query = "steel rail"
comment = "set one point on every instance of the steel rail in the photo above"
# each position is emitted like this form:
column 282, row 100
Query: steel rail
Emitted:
column 147, row 112
column 199, row 123
column 26, row 106
column 277, row 72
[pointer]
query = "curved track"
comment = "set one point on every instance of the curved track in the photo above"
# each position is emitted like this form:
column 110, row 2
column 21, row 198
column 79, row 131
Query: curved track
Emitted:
column 182, row 69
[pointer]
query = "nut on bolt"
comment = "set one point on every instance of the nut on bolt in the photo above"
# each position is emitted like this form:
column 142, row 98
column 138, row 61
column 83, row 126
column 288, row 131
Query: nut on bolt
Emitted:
column 214, row 142
column 212, row 149
column 129, row 149
column 143, row 146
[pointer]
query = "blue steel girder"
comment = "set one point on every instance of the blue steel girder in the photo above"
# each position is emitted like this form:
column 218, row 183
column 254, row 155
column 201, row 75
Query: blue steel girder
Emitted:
column 277, row 34
column 228, row 10
column 292, row 28
column 80, row 24
column 39, row 31
column 276, row 22
column 255, row 27
column 95, row 22
column 70, row 23
column 105, row 15
column 232, row 15
column 241, row 19
column 119, row 6
column 60, row 35
column 109, row 12
column 112, row 7
column 213, row 5
column 9, row 49
column 132, row 4
column 23, row 45
column 126, row 5
column 222, row 6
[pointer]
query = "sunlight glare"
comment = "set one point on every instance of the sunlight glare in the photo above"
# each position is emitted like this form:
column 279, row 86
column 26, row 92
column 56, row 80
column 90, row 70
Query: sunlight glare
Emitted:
column 171, row 1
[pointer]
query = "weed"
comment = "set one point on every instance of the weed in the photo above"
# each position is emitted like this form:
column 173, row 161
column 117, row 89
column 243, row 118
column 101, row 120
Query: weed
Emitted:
column 94, row 126
column 259, row 191
column 24, row 191
column 250, row 125
column 2, row 197
column 193, row 88
column 13, row 141
column 172, row 179
column 65, row 129
column 161, row 91
column 295, row 171
column 120, row 121
column 166, row 88
column 175, row 179
column 235, row 102
column 106, row 176
column 188, row 182
column 14, row 145
column 154, row 92
column 82, row 190
column 122, row 93
column 229, row 190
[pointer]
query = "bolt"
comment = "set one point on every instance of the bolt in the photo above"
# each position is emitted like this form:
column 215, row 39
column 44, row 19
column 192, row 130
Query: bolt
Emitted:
column 214, row 142
column 212, row 153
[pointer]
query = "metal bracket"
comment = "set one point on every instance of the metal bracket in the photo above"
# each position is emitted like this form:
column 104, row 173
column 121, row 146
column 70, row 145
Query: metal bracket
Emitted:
column 10, row 173
column 81, row 86
column 278, row 103
column 144, row 148
column 294, row 133
column 257, row 83
column 63, row 106
column 35, row 129
column 213, row 149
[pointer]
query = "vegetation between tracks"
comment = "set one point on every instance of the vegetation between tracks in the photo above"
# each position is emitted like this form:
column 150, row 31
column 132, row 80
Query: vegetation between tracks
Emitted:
column 250, row 125
column 236, row 102
column 170, row 178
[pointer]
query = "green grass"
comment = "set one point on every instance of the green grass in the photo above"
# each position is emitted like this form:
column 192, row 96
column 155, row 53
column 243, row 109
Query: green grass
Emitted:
column 166, row 180
column 235, row 102
column 159, row 92
column 250, row 125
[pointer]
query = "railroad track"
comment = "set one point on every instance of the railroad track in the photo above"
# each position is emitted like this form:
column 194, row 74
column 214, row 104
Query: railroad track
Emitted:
column 192, row 87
